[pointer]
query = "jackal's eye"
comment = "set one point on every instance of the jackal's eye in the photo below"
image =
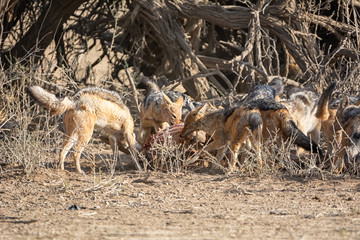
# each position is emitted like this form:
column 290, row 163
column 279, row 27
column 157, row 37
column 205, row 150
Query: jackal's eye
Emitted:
column 173, row 116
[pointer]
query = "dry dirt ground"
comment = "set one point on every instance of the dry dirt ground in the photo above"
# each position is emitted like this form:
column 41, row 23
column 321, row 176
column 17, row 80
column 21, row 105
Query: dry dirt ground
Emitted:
column 154, row 205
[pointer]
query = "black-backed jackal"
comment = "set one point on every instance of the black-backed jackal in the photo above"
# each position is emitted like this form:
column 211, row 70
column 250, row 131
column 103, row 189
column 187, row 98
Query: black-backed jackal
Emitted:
column 157, row 111
column 188, row 104
column 331, row 126
column 343, row 133
column 249, row 122
column 226, row 127
column 308, row 111
column 89, row 109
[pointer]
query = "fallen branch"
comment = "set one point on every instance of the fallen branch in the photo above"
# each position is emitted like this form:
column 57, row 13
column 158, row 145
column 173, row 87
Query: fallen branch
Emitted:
column 134, row 91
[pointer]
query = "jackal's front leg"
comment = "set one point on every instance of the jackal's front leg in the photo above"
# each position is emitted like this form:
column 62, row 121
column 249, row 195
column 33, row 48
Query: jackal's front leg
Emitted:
column 161, row 126
column 221, row 147
column 115, row 148
column 132, row 148
column 236, row 143
column 144, row 135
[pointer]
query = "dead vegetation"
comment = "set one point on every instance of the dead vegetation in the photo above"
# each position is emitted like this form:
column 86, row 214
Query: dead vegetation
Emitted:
column 213, row 50
column 209, row 49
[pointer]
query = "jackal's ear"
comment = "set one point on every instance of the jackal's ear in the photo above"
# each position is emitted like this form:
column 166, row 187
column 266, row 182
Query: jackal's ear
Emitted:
column 344, row 103
column 167, row 99
column 202, row 110
column 179, row 101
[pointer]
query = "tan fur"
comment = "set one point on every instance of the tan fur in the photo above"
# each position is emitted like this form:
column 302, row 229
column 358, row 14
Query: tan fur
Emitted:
column 233, row 131
column 341, row 132
column 279, row 123
column 50, row 102
column 331, row 126
column 338, row 136
column 337, row 133
column 332, row 136
column 96, row 109
column 158, row 117
column 308, row 115
column 303, row 115
column 240, row 134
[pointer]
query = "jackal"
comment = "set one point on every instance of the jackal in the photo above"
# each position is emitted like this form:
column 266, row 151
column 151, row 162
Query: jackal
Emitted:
column 250, row 122
column 157, row 111
column 231, row 127
column 277, row 120
column 89, row 109
column 188, row 104
column 346, row 132
column 331, row 126
column 270, row 92
column 308, row 111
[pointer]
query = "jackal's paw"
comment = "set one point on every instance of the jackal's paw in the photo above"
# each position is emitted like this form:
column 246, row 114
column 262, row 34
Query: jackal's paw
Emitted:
column 230, row 171
column 233, row 170
column 80, row 171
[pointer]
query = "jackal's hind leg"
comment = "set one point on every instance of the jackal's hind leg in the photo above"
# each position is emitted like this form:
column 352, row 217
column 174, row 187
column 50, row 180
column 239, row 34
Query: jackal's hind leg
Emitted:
column 255, row 141
column 69, row 142
column 83, row 139
column 85, row 122
column 239, row 138
column 235, row 146
column 77, row 154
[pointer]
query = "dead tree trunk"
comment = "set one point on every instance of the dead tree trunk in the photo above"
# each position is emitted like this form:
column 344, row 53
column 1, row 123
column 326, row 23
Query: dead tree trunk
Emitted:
column 43, row 31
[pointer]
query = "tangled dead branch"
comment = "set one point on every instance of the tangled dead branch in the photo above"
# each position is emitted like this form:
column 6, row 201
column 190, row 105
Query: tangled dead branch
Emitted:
column 211, row 48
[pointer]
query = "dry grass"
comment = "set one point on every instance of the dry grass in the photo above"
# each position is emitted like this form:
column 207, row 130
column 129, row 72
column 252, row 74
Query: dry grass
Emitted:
column 167, row 156
column 277, row 158
column 31, row 139
column 28, row 139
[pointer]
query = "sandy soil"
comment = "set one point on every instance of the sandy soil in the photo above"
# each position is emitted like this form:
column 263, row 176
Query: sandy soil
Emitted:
column 65, row 205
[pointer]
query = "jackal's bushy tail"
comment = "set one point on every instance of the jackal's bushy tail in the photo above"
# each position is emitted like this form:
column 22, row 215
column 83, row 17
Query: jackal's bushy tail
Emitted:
column 50, row 101
column 323, row 104
column 149, row 85
column 300, row 139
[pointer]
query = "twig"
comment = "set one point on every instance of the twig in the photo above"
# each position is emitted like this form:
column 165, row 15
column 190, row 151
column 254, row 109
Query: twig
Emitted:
column 258, row 36
column 249, row 65
column 226, row 80
column 284, row 80
column 133, row 88
column 232, row 45
column 185, row 46
column 248, row 48
column 198, row 75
